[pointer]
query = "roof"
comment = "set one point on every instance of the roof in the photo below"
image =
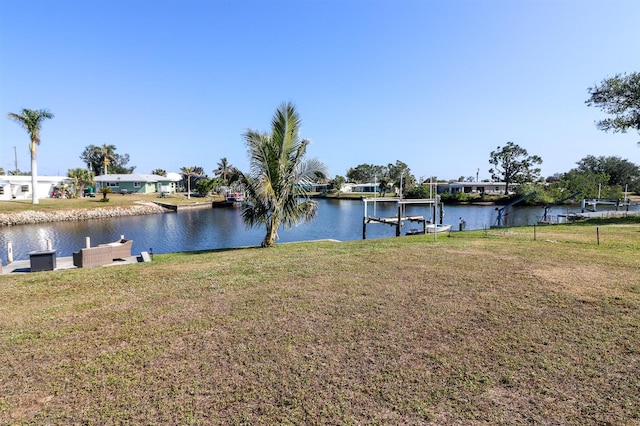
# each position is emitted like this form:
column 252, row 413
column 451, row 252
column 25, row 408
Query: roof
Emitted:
column 133, row 177
column 27, row 178
column 174, row 177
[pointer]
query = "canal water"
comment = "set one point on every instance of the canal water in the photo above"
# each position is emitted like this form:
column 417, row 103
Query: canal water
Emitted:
column 223, row 227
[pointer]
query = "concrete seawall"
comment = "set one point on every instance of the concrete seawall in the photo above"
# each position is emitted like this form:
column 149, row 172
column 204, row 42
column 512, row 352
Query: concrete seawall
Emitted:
column 181, row 207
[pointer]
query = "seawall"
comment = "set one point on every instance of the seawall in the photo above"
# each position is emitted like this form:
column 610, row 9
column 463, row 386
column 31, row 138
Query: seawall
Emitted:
column 38, row 216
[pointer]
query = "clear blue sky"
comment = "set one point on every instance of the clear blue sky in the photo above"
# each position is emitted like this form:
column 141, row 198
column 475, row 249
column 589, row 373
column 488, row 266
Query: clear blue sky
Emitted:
column 435, row 84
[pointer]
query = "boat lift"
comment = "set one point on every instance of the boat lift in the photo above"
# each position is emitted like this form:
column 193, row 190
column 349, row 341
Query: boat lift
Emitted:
column 545, row 215
column 501, row 210
column 395, row 221
column 593, row 202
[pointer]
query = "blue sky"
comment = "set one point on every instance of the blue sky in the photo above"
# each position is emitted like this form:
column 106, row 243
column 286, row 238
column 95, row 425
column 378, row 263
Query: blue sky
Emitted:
column 435, row 84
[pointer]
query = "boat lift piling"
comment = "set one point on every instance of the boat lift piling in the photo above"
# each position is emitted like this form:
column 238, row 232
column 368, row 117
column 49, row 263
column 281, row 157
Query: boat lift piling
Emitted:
column 399, row 218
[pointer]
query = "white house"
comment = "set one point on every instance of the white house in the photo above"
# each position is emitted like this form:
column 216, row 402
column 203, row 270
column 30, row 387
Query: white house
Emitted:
column 360, row 188
column 488, row 188
column 19, row 187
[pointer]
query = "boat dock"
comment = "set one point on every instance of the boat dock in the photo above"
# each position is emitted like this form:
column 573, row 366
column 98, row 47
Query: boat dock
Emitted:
column 602, row 214
column 398, row 220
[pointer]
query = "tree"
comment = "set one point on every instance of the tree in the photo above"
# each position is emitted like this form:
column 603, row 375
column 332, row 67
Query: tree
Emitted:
column 365, row 173
column 224, row 170
column 81, row 177
column 384, row 183
column 119, row 166
column 189, row 174
column 400, row 173
column 102, row 159
column 107, row 156
column 513, row 164
column 419, row 191
column 621, row 172
column 589, row 184
column 31, row 120
column 618, row 96
column 275, row 188
column 337, row 182
column 204, row 186
column 159, row 172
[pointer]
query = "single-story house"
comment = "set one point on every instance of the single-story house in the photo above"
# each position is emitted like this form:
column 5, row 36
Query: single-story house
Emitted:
column 19, row 187
column 487, row 188
column 137, row 182
column 360, row 188
column 314, row 187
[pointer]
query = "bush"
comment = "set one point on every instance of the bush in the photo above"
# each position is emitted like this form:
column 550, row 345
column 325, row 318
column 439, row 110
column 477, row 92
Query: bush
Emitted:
column 460, row 197
column 417, row 192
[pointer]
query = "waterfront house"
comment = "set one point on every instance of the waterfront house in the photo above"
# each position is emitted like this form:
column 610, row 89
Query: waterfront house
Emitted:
column 138, row 183
column 19, row 187
column 480, row 188
column 360, row 188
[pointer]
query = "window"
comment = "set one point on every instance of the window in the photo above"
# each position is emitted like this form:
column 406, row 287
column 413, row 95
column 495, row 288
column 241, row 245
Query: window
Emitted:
column 24, row 188
column 113, row 184
column 136, row 184
column 1, row 189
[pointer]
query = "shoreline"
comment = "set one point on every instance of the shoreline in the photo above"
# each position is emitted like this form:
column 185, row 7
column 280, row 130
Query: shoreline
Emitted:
column 32, row 217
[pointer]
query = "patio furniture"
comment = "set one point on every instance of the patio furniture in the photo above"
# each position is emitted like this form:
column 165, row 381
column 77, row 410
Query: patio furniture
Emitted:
column 119, row 249
column 103, row 254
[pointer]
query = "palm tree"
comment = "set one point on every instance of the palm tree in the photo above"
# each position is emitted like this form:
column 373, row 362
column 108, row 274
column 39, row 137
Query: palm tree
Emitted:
column 276, row 188
column 106, row 153
column 31, row 120
column 187, row 173
column 81, row 177
column 224, row 170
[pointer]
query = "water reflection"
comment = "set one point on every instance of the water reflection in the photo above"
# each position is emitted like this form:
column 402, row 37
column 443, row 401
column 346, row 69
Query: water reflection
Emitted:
column 223, row 228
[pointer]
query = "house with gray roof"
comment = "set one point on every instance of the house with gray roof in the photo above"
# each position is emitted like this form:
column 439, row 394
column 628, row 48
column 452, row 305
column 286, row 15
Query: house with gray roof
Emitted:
column 139, row 183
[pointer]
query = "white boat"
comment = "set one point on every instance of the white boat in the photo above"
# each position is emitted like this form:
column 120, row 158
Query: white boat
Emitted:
column 437, row 229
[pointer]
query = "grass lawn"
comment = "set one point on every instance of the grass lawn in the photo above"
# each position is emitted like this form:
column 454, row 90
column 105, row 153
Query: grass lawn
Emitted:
column 115, row 200
column 478, row 328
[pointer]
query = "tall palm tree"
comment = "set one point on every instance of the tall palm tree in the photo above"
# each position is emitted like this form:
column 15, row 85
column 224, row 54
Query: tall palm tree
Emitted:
column 276, row 187
column 224, row 170
column 31, row 120
column 107, row 155
column 188, row 173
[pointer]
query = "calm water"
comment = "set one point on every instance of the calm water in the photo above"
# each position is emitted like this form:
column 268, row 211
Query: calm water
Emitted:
column 223, row 228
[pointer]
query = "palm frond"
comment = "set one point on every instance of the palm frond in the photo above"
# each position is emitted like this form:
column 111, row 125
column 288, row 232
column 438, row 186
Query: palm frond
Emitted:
column 31, row 120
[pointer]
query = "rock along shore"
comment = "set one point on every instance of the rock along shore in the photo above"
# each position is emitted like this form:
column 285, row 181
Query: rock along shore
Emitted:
column 30, row 216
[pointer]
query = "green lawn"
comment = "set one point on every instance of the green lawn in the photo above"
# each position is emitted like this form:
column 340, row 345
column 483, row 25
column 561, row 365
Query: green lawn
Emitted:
column 477, row 328
column 115, row 200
